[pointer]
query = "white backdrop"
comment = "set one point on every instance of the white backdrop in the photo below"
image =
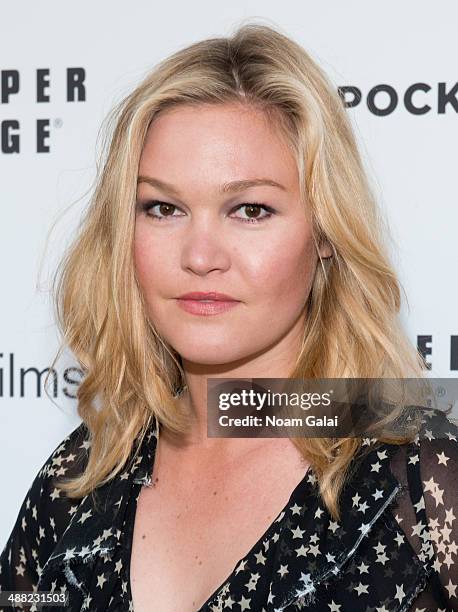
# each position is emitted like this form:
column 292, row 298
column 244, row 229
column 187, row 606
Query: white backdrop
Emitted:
column 410, row 158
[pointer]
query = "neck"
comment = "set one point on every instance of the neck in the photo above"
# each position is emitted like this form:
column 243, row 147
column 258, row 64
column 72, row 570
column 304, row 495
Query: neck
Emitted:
column 274, row 363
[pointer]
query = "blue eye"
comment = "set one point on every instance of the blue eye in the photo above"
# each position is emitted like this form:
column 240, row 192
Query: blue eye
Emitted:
column 167, row 210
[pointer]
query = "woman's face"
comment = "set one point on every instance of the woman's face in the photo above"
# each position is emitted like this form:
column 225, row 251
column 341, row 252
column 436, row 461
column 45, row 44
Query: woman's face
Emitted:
column 195, row 160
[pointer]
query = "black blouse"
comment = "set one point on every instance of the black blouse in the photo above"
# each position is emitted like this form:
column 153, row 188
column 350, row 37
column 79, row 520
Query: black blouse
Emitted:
column 394, row 549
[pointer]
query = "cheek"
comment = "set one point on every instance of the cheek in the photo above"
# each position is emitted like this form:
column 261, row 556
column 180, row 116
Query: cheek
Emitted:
column 141, row 256
column 150, row 259
column 283, row 269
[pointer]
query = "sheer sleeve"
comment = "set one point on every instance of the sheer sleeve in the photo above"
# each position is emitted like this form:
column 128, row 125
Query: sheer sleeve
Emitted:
column 43, row 516
column 427, row 510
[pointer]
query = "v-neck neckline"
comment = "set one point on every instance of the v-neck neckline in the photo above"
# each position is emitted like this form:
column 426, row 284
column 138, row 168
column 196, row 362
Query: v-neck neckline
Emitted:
column 297, row 494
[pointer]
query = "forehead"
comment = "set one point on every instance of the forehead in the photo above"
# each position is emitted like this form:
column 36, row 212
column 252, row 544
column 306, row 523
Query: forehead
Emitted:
column 217, row 141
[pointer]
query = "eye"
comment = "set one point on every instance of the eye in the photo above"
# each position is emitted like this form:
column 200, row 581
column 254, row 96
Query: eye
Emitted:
column 253, row 212
column 162, row 210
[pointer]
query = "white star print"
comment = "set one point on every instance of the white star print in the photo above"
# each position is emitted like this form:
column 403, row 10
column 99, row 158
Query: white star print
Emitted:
column 55, row 494
column 449, row 516
column 314, row 550
column 297, row 533
column 433, row 488
column 364, row 528
column 305, row 578
column 382, row 559
column 85, row 516
column 361, row 588
column 420, row 505
column 442, row 458
column 98, row 541
column 100, row 580
column 451, row 588
column 448, row 561
column 283, row 570
column 399, row 592
column 241, row 566
column 44, row 526
column 229, row 602
column 363, row 568
column 418, row 528
column 20, row 569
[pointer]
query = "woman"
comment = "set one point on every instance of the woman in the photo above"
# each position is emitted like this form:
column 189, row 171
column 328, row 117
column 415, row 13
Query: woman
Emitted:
column 233, row 170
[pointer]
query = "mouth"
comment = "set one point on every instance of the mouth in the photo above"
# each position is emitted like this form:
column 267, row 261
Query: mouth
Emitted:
column 206, row 307
column 207, row 296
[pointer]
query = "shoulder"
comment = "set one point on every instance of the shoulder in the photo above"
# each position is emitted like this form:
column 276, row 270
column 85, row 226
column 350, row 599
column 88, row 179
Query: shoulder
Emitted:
column 428, row 512
column 439, row 431
column 66, row 461
column 434, row 450
column 45, row 512
column 432, row 462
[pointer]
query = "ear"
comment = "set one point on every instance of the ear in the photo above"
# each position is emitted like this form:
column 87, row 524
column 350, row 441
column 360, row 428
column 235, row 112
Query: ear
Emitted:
column 325, row 249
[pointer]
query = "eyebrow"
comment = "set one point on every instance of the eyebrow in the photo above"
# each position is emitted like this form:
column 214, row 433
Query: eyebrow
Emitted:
column 231, row 187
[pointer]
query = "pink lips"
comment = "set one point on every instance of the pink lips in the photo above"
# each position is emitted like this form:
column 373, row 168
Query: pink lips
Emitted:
column 206, row 303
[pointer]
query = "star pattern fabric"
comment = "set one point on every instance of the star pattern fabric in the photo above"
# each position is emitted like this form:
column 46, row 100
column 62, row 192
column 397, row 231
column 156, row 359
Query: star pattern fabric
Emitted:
column 395, row 548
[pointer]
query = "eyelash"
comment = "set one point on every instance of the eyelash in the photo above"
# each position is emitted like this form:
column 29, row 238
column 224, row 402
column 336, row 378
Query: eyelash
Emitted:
column 271, row 211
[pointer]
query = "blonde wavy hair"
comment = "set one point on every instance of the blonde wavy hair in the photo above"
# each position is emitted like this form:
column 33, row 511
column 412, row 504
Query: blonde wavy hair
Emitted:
column 351, row 329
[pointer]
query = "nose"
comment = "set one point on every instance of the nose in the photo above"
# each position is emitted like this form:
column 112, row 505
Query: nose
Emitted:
column 205, row 248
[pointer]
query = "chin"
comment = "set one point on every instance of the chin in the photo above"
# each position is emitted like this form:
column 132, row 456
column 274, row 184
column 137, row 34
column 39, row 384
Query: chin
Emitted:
column 215, row 357
column 224, row 352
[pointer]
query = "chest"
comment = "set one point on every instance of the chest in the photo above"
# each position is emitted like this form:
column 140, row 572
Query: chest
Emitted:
column 190, row 532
